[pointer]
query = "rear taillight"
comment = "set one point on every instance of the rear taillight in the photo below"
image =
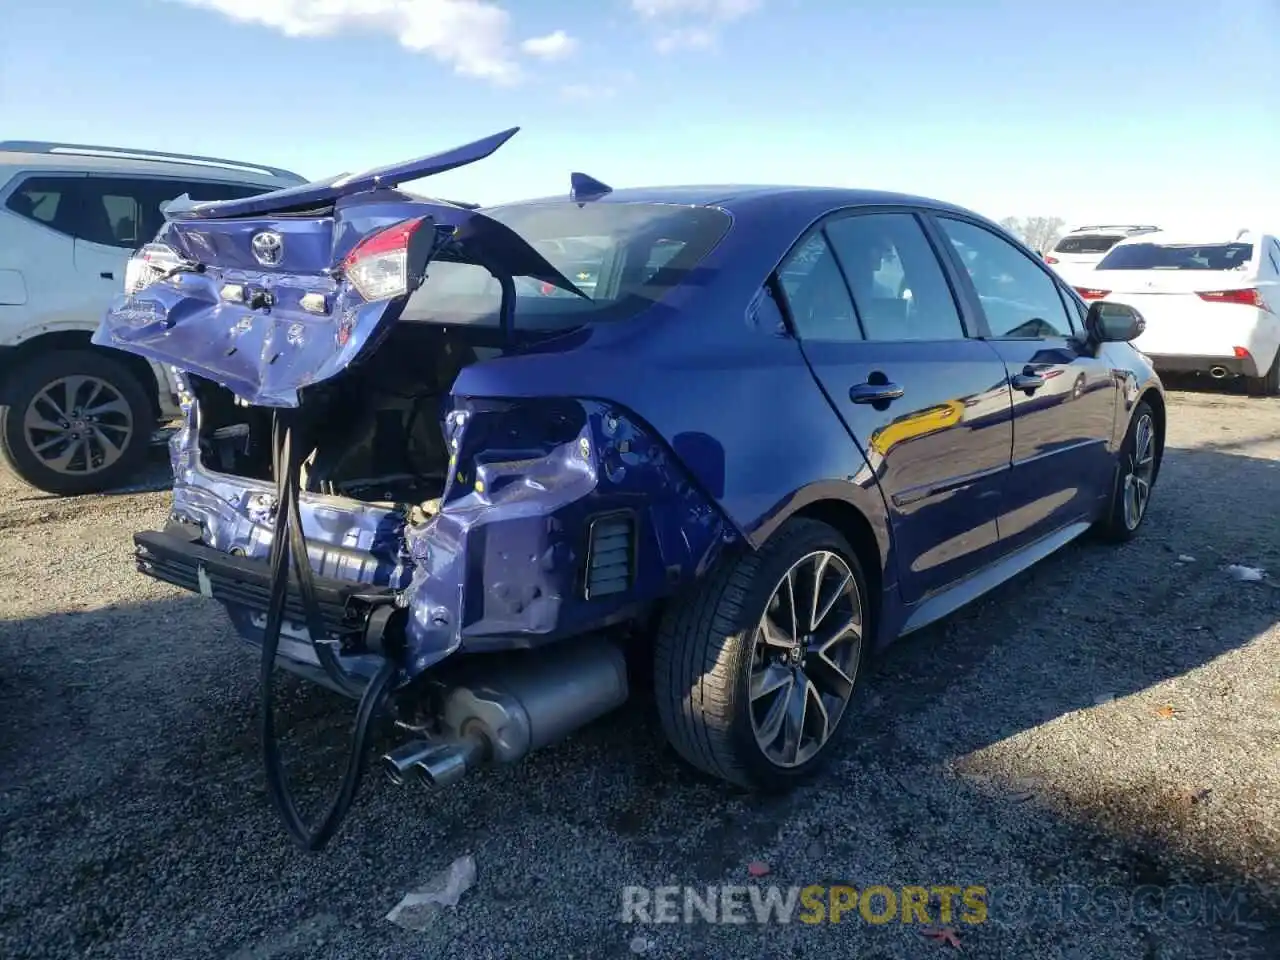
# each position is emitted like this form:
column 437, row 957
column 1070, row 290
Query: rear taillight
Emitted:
column 1242, row 353
column 1245, row 297
column 1089, row 293
column 152, row 263
column 378, row 267
column 1050, row 259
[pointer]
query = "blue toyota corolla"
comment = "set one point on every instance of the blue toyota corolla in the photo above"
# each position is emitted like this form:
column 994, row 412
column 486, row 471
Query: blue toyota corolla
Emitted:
column 462, row 464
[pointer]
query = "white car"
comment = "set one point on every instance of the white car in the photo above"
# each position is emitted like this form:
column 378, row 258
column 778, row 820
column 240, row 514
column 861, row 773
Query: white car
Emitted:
column 75, row 418
column 1212, row 304
column 1081, row 250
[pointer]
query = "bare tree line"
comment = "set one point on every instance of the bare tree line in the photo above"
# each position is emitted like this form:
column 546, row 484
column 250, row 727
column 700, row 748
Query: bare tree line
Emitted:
column 1038, row 233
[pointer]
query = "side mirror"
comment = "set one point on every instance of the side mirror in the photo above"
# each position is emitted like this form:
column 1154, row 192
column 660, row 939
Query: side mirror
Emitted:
column 1113, row 322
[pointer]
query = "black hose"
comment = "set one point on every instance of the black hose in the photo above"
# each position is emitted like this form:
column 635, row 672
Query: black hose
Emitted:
column 289, row 544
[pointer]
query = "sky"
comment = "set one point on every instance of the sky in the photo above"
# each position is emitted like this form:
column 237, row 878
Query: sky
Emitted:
column 1089, row 110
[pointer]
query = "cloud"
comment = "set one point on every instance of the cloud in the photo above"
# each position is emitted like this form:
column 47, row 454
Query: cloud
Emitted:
column 690, row 24
column 471, row 36
column 686, row 38
column 585, row 91
column 554, row 46
column 709, row 9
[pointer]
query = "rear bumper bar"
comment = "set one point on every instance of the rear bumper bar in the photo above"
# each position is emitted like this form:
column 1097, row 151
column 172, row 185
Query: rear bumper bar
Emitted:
column 1191, row 363
column 177, row 556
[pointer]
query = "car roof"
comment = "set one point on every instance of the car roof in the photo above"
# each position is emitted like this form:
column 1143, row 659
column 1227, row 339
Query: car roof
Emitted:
column 757, row 199
column 1114, row 229
column 33, row 155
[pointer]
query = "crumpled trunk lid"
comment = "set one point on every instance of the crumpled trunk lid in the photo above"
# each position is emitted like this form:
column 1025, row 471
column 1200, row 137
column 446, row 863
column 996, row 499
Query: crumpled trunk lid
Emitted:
column 259, row 302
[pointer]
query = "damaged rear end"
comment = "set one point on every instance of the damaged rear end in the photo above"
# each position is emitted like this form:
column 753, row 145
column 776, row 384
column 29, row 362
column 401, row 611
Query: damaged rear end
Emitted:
column 319, row 332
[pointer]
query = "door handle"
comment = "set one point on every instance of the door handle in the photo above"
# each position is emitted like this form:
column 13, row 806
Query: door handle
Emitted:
column 107, row 275
column 1028, row 380
column 875, row 392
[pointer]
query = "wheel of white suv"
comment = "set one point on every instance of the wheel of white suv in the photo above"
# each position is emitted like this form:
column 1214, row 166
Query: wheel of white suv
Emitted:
column 77, row 422
column 756, row 667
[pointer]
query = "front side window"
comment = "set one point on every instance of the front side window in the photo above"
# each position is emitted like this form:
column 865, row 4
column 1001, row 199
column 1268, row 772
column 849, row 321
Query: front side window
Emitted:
column 898, row 285
column 623, row 256
column 1020, row 298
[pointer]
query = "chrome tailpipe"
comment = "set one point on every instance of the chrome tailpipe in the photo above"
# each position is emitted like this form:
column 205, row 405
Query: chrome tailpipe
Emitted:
column 1217, row 372
column 518, row 704
column 450, row 762
column 399, row 764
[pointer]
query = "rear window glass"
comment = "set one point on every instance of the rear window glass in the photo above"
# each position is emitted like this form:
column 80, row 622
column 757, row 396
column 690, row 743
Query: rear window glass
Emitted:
column 622, row 256
column 1086, row 243
column 1201, row 256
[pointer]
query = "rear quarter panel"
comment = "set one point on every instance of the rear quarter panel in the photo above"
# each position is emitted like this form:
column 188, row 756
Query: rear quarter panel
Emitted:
column 712, row 371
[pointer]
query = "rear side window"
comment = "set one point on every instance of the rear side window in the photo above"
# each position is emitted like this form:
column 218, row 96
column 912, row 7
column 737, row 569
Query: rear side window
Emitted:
column 1179, row 256
column 898, row 285
column 46, row 200
column 1086, row 243
column 1020, row 299
column 816, row 295
column 623, row 256
column 112, row 211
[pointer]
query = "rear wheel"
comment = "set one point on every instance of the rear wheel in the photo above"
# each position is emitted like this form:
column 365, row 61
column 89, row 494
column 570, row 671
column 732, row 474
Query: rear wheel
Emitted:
column 1267, row 385
column 76, row 422
column 1139, row 457
column 756, row 668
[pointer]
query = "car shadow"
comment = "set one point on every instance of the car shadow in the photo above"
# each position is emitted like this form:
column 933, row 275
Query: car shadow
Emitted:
column 1205, row 384
column 129, row 752
column 154, row 476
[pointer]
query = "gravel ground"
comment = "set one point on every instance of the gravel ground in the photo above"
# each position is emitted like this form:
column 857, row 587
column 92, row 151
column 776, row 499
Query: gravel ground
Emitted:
column 1110, row 719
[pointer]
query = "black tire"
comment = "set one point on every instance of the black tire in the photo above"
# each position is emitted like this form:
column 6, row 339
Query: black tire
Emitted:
column 706, row 648
column 1267, row 385
column 1116, row 526
column 19, row 450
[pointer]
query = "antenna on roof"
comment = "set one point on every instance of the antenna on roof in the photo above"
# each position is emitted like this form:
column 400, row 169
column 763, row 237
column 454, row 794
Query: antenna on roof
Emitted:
column 583, row 188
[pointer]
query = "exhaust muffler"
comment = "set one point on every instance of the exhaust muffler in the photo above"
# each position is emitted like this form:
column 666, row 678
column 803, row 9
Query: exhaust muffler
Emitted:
column 513, row 707
column 1217, row 372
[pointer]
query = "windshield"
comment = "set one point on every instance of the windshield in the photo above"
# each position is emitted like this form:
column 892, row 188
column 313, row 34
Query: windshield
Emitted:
column 623, row 256
column 1195, row 256
column 1086, row 243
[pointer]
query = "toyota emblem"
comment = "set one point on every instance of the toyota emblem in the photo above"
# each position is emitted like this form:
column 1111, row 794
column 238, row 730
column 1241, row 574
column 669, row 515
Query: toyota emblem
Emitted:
column 268, row 247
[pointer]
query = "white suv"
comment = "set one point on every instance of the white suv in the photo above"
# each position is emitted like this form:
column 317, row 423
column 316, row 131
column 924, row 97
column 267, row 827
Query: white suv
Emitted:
column 1083, row 248
column 77, row 418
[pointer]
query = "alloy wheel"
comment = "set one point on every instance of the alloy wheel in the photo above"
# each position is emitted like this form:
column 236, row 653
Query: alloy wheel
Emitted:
column 78, row 425
column 1141, row 473
column 804, row 658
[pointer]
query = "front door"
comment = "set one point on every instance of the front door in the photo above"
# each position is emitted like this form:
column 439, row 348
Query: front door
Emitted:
column 929, row 406
column 1063, row 400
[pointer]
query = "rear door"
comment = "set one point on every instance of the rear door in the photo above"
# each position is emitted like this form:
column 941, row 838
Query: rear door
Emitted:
column 882, row 331
column 1063, row 400
column 117, row 215
column 41, row 214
